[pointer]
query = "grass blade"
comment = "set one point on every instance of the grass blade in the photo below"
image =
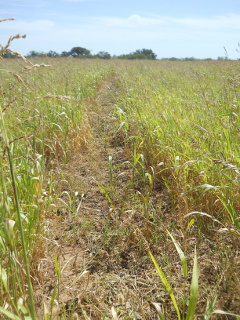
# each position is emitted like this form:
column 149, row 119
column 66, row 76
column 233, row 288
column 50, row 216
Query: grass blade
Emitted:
column 166, row 284
column 226, row 313
column 181, row 254
column 9, row 314
column 231, row 211
column 210, row 308
column 193, row 290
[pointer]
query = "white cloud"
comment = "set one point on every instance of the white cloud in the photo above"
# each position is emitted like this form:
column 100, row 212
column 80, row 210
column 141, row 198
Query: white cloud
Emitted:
column 133, row 21
column 24, row 3
column 228, row 21
column 179, row 36
column 24, row 26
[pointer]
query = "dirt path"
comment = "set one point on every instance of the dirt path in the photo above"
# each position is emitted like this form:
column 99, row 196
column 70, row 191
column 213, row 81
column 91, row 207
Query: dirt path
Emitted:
column 95, row 269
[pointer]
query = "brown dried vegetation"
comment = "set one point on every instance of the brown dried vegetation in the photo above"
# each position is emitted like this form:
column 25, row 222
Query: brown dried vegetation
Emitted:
column 100, row 242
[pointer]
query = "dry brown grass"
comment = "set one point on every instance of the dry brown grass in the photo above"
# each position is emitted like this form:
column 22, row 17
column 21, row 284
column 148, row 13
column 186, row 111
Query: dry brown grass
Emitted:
column 100, row 217
column 100, row 245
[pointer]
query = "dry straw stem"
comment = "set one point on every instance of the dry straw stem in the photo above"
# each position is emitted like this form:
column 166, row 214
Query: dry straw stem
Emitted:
column 19, row 55
column 17, row 36
column 19, row 79
column 228, row 165
column 18, row 138
column 6, row 47
column 60, row 97
column 33, row 66
column 7, row 19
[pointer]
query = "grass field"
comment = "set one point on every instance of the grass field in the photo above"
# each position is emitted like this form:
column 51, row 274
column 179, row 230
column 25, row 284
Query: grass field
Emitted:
column 119, row 189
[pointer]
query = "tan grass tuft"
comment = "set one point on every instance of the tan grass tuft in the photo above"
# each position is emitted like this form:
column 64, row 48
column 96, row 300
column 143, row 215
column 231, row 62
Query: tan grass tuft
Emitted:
column 34, row 66
column 17, row 36
column 59, row 97
column 228, row 165
column 7, row 19
column 17, row 54
column 19, row 79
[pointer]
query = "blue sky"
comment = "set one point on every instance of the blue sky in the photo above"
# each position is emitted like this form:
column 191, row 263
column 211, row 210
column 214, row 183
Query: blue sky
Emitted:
column 170, row 28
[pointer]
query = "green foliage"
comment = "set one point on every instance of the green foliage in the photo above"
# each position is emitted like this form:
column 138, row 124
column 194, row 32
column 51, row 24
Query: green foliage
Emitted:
column 79, row 52
column 166, row 285
column 31, row 139
column 146, row 54
column 179, row 124
column 194, row 131
column 64, row 54
column 103, row 55
column 193, row 295
column 36, row 54
column 52, row 54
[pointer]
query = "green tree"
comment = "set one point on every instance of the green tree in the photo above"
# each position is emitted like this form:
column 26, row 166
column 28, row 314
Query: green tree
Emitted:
column 52, row 54
column 65, row 54
column 33, row 54
column 189, row 59
column 103, row 55
column 80, row 52
column 146, row 52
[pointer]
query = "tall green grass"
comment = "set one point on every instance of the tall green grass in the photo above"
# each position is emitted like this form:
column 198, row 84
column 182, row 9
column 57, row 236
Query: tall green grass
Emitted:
column 185, row 120
column 181, row 124
column 188, row 310
column 41, row 122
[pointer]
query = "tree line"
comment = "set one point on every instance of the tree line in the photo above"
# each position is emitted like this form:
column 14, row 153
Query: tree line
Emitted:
column 80, row 52
column 83, row 53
